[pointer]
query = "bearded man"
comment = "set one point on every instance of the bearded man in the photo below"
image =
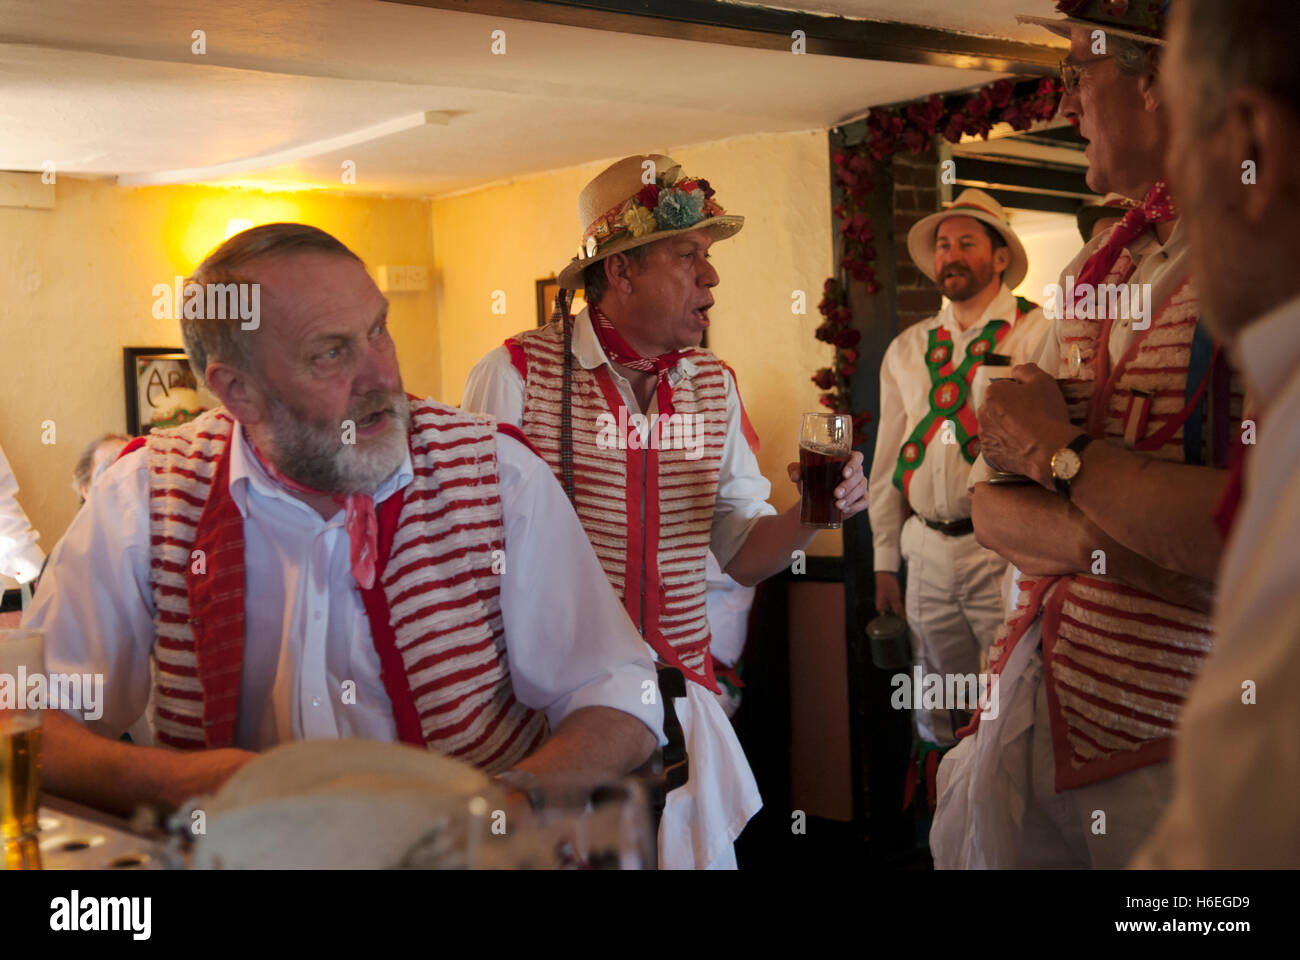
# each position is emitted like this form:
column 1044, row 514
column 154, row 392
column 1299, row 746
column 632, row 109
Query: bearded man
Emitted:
column 323, row 557
column 931, row 380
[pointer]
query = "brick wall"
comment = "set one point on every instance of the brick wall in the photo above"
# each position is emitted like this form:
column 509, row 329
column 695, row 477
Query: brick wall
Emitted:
column 916, row 195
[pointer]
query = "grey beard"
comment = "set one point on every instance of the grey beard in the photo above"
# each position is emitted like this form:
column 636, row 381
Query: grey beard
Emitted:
column 312, row 452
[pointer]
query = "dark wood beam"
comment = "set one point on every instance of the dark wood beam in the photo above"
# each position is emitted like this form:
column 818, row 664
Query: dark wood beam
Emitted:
column 708, row 22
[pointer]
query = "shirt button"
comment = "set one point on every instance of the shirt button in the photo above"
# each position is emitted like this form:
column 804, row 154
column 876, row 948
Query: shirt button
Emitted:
column 316, row 615
column 315, row 701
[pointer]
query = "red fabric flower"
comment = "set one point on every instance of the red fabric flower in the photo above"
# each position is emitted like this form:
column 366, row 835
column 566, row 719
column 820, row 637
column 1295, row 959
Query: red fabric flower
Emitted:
column 827, row 401
column 847, row 338
column 824, row 378
column 846, row 369
column 648, row 196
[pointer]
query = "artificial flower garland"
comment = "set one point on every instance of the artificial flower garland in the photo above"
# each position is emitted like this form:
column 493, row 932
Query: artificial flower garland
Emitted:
column 672, row 202
column 913, row 127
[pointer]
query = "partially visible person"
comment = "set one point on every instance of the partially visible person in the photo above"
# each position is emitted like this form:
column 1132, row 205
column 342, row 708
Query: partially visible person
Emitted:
column 1234, row 95
column 1113, row 537
column 932, row 377
column 727, row 603
column 20, row 558
column 94, row 460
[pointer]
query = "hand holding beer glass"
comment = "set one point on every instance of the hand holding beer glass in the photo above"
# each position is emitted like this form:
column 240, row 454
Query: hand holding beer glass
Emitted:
column 825, row 445
column 21, row 656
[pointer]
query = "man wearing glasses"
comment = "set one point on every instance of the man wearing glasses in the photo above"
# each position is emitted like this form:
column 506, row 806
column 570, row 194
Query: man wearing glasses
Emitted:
column 1114, row 540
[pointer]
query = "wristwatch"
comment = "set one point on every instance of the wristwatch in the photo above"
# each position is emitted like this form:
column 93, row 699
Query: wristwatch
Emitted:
column 1066, row 463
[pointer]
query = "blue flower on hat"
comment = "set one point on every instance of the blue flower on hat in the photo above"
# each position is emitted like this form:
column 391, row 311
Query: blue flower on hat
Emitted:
column 679, row 209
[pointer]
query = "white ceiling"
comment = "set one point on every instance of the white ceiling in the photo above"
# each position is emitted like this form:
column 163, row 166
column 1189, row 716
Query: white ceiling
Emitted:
column 114, row 89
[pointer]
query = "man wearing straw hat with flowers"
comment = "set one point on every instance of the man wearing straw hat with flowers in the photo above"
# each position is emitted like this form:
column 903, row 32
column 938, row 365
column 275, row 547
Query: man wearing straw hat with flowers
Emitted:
column 931, row 378
column 648, row 436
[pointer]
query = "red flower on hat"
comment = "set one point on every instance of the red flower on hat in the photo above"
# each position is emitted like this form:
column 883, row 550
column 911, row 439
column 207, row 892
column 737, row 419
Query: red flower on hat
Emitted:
column 1068, row 7
column 648, row 197
column 1116, row 8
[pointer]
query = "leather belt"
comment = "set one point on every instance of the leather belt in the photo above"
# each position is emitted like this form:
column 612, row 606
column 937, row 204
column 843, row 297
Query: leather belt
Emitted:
column 951, row 528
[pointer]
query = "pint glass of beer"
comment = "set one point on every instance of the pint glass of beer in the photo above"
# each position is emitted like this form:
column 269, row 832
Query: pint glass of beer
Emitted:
column 825, row 445
column 21, row 656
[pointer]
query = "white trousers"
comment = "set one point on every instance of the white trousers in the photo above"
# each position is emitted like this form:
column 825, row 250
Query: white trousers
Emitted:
column 998, row 805
column 954, row 608
column 703, row 817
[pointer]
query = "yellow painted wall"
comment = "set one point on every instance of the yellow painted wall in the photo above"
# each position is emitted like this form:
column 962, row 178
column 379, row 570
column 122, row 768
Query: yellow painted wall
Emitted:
column 508, row 236
column 76, row 287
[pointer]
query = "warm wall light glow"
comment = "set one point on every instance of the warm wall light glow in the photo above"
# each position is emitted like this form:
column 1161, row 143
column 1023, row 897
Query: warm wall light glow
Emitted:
column 236, row 225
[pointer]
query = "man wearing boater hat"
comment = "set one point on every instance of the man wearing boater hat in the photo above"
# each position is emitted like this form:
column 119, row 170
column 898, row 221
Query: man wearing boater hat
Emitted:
column 931, row 377
column 656, row 496
column 1114, row 539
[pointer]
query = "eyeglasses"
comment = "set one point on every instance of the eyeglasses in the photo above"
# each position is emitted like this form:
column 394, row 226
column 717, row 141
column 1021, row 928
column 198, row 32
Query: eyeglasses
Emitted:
column 1071, row 72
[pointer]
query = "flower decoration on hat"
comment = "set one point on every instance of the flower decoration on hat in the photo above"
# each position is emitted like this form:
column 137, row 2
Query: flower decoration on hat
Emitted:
column 638, row 220
column 672, row 202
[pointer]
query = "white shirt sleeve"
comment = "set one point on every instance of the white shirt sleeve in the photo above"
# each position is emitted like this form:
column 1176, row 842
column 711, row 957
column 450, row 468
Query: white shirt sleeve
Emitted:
column 570, row 642
column 743, row 491
column 495, row 387
column 20, row 557
column 886, row 507
column 94, row 603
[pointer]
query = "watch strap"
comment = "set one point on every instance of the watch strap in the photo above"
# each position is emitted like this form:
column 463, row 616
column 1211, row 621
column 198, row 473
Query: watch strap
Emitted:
column 1077, row 445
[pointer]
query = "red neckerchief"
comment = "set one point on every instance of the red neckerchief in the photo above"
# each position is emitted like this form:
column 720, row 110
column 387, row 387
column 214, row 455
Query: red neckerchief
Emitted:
column 1156, row 207
column 358, row 519
column 618, row 350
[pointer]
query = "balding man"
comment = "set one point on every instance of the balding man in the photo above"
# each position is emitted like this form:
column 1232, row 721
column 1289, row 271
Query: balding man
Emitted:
column 324, row 557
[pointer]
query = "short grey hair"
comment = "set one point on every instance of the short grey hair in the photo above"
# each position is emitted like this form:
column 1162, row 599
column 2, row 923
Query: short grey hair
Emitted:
column 220, row 338
column 1240, row 43
column 1134, row 58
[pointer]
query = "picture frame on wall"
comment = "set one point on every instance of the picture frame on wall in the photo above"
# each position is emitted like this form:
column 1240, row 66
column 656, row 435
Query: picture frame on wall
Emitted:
column 547, row 290
column 161, row 389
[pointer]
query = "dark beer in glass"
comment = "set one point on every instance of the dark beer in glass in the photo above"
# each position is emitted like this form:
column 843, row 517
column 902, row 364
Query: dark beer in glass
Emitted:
column 825, row 445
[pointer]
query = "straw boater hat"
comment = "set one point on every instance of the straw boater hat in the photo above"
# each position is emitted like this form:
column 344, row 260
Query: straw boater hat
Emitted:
column 980, row 206
column 619, row 210
column 1112, row 206
column 1141, row 20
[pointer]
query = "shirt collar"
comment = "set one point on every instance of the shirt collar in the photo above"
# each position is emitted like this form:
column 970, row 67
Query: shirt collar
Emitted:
column 1002, row 307
column 1270, row 350
column 590, row 354
column 246, row 472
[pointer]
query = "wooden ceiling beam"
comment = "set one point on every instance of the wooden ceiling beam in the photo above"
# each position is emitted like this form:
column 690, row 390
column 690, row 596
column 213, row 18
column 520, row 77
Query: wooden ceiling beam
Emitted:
column 705, row 21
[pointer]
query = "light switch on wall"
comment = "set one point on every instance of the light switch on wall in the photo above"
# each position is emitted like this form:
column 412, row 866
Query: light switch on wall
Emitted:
column 399, row 279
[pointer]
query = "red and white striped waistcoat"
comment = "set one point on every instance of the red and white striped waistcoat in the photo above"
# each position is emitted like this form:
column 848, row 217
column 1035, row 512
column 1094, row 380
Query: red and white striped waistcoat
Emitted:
column 1119, row 661
column 647, row 512
column 434, row 611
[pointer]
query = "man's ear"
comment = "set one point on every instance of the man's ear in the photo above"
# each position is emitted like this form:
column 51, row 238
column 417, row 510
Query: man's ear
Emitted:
column 237, row 392
column 1148, row 83
column 1001, row 259
column 1263, row 131
column 618, row 271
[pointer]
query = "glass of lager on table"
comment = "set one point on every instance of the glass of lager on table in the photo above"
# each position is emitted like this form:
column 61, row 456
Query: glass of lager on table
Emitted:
column 825, row 445
column 21, row 657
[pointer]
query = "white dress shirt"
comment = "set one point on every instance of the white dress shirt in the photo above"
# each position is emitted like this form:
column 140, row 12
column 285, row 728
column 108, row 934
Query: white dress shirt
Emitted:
column 570, row 644
column 938, row 490
column 1236, row 765
column 495, row 387
column 20, row 557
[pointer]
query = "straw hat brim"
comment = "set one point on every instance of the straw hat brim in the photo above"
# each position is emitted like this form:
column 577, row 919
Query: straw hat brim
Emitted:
column 1061, row 27
column 921, row 241
column 719, row 228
